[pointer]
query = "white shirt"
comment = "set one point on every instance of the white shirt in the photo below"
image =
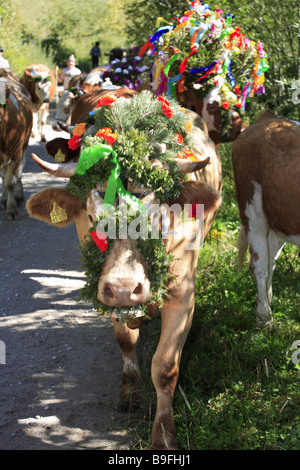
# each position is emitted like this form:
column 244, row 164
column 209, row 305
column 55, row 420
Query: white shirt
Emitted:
column 4, row 64
column 68, row 74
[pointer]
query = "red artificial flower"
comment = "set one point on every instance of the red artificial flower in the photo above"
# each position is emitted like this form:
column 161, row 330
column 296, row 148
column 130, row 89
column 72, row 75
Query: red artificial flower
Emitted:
column 226, row 104
column 187, row 154
column 166, row 107
column 238, row 105
column 178, row 138
column 74, row 142
column 100, row 239
column 107, row 134
column 237, row 89
column 106, row 101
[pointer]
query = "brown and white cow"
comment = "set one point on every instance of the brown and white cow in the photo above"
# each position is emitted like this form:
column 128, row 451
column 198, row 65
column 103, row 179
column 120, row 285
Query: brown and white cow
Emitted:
column 266, row 164
column 124, row 279
column 15, row 129
column 210, row 112
column 39, row 80
column 69, row 98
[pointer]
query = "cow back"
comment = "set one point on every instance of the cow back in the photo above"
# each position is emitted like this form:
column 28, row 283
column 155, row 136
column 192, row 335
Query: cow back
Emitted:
column 15, row 120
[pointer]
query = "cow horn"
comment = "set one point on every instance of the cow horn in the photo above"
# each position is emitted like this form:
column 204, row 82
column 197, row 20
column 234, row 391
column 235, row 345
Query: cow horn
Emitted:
column 189, row 166
column 66, row 128
column 61, row 170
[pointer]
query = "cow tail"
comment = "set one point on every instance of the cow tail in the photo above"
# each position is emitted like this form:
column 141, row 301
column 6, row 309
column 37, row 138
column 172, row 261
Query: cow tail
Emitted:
column 242, row 246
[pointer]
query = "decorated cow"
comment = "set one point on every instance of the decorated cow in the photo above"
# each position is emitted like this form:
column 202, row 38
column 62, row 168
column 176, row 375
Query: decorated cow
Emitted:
column 143, row 193
column 15, row 129
column 40, row 82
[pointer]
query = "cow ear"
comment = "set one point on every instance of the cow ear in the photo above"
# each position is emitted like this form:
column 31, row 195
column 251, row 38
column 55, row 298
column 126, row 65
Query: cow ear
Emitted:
column 59, row 144
column 55, row 206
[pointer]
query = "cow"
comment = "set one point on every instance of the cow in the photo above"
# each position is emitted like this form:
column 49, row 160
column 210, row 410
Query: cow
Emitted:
column 266, row 166
column 124, row 278
column 15, row 129
column 40, row 82
column 69, row 98
column 209, row 110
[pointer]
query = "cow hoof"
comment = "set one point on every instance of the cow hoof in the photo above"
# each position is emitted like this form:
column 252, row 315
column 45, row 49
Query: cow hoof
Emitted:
column 43, row 139
column 11, row 216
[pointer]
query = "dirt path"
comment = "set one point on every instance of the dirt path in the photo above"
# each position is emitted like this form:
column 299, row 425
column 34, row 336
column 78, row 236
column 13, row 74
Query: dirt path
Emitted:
column 60, row 384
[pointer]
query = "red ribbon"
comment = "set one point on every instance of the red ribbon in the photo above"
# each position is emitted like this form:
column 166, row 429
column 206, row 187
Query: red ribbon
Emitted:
column 183, row 63
column 209, row 71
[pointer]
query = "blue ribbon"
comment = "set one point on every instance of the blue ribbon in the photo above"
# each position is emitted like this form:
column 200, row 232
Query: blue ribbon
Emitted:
column 172, row 81
column 204, row 69
column 232, row 82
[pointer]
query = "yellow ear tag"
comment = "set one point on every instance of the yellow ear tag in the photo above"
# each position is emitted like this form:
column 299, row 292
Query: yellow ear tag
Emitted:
column 60, row 157
column 58, row 214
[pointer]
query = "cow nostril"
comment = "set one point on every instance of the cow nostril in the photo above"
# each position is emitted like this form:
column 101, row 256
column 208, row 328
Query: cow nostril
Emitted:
column 108, row 292
column 138, row 289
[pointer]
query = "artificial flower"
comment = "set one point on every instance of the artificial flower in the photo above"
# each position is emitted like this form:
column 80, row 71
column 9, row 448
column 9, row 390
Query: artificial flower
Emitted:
column 178, row 138
column 188, row 127
column 226, row 104
column 187, row 154
column 107, row 134
column 100, row 239
column 106, row 101
column 166, row 107
column 79, row 129
column 74, row 142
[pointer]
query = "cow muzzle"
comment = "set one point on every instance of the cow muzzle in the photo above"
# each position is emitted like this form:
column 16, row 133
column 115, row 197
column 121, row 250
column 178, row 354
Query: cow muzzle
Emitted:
column 123, row 292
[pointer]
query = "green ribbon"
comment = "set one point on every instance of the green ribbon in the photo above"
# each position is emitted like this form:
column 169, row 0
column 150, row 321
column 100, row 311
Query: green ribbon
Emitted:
column 92, row 155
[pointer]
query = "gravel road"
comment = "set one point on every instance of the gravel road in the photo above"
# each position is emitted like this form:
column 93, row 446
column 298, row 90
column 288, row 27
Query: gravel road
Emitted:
column 60, row 382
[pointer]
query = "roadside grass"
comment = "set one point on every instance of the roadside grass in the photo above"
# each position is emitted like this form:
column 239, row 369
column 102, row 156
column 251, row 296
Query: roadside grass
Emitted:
column 238, row 386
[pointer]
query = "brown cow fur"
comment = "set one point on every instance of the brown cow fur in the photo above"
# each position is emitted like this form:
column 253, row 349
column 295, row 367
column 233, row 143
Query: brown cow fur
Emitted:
column 15, row 128
column 266, row 164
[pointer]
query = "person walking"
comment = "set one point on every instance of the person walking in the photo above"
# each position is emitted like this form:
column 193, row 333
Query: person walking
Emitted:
column 95, row 53
column 69, row 72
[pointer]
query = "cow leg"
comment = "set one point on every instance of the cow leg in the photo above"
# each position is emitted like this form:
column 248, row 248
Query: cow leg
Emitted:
column 9, row 181
column 19, row 193
column 42, row 120
column 128, row 339
column 176, row 322
column 264, row 250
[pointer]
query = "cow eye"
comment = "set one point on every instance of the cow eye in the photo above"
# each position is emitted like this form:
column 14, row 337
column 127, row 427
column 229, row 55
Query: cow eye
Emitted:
column 90, row 218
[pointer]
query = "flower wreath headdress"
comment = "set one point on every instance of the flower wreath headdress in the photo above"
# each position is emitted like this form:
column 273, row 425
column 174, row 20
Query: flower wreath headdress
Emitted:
column 204, row 51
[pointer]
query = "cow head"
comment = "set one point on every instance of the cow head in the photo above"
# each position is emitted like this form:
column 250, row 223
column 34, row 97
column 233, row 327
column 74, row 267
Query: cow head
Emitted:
column 65, row 105
column 42, row 81
column 210, row 112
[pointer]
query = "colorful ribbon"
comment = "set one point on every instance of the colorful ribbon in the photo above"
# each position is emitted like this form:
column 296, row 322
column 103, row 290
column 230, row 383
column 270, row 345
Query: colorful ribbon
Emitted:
column 91, row 155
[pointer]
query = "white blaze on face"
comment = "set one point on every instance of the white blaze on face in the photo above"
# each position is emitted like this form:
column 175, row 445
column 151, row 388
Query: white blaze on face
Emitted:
column 42, row 84
column 207, row 117
column 64, row 107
